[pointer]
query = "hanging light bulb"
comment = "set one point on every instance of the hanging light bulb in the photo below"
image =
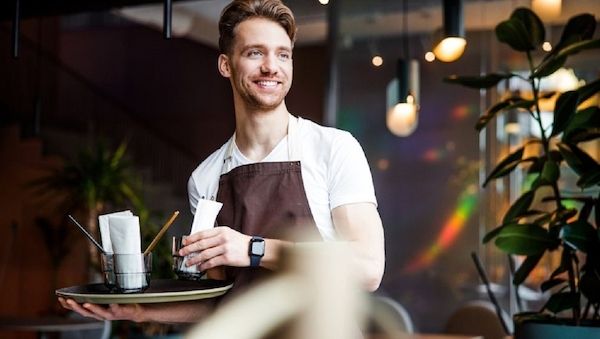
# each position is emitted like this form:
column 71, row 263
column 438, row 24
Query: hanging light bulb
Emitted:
column 429, row 56
column 323, row 2
column 377, row 61
column 403, row 109
column 450, row 40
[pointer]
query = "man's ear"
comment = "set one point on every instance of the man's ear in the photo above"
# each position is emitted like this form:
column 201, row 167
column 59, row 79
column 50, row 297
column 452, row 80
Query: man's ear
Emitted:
column 223, row 65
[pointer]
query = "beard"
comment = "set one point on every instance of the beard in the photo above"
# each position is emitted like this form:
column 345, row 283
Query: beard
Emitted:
column 255, row 99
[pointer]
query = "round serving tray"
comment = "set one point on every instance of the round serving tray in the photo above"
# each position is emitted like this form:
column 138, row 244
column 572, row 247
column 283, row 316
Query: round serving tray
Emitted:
column 159, row 291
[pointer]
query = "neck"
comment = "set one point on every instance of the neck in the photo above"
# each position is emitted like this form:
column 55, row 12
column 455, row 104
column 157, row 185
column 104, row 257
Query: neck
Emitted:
column 258, row 132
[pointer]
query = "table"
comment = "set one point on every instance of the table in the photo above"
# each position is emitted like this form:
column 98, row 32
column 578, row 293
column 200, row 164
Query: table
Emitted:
column 43, row 325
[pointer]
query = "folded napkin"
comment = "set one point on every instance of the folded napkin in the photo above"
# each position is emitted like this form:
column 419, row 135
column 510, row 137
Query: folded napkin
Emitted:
column 104, row 228
column 204, row 218
column 125, row 238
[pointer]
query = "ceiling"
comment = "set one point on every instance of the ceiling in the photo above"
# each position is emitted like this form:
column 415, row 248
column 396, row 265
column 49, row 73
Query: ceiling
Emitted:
column 360, row 19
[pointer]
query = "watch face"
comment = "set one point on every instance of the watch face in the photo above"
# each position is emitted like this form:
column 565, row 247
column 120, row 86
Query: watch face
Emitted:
column 258, row 248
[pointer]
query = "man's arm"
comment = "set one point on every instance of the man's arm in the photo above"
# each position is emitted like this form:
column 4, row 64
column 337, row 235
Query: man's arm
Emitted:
column 181, row 312
column 360, row 224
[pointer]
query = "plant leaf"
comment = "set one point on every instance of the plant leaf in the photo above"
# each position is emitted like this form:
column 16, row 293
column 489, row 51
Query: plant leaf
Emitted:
column 548, row 284
column 523, row 239
column 519, row 207
column 514, row 33
column 576, row 158
column 490, row 114
column 533, row 25
column 578, row 47
column 589, row 179
column 525, row 269
column 587, row 90
column 506, row 165
column 548, row 67
column 478, row 82
column 565, row 108
column 583, row 123
column 562, row 301
column 590, row 285
column 579, row 235
column 492, row 234
column 578, row 28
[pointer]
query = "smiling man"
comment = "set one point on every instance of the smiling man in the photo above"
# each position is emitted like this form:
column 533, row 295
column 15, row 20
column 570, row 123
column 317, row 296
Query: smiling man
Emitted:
column 277, row 176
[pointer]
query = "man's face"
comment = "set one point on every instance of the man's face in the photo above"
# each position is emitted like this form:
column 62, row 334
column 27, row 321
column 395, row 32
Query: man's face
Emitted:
column 260, row 64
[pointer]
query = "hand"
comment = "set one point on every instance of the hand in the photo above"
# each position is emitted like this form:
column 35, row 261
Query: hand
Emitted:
column 131, row 312
column 219, row 246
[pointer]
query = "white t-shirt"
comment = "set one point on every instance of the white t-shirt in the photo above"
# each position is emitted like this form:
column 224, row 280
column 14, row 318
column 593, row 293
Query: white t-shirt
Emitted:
column 335, row 171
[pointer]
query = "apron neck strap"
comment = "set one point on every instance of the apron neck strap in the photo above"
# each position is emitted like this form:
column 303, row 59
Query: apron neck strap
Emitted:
column 294, row 148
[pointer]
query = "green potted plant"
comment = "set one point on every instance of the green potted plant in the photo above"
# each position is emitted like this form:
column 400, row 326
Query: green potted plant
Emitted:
column 546, row 218
column 97, row 177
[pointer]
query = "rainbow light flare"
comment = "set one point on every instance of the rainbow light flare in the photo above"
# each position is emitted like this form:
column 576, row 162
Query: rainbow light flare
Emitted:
column 449, row 233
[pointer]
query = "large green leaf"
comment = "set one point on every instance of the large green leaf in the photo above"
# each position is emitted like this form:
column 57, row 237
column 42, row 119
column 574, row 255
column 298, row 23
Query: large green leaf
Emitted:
column 587, row 90
column 519, row 207
column 562, row 301
column 582, row 125
column 579, row 235
column 589, row 179
column 485, row 81
column 577, row 159
column 565, row 108
column 523, row 239
column 578, row 28
column 533, row 25
column 525, row 269
column 506, row 165
column 548, row 67
column 514, row 33
column 578, row 47
column 492, row 234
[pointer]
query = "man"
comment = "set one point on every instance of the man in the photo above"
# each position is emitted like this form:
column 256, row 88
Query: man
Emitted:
column 277, row 175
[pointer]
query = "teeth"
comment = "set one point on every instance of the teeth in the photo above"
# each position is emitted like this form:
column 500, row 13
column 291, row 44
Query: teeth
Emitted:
column 268, row 83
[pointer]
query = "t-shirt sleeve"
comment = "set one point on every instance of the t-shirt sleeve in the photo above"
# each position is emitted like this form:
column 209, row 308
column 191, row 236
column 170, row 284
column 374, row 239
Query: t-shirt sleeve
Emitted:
column 350, row 179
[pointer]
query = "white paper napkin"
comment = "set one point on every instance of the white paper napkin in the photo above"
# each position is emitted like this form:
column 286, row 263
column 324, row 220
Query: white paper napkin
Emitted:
column 105, row 231
column 204, row 218
column 125, row 238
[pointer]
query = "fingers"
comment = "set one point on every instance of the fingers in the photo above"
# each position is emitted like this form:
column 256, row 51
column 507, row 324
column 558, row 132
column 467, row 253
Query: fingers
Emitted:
column 200, row 245
column 211, row 232
column 81, row 309
column 205, row 255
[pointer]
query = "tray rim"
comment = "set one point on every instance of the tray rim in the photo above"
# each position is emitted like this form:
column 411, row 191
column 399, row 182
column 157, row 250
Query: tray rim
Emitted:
column 142, row 298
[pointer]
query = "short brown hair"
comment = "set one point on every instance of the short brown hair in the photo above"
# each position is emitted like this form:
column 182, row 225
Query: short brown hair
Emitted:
column 240, row 10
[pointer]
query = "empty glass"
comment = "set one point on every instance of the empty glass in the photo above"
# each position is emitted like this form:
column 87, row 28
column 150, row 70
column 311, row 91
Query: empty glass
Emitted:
column 108, row 271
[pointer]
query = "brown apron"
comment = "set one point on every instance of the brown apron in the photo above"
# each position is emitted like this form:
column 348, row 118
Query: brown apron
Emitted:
column 264, row 199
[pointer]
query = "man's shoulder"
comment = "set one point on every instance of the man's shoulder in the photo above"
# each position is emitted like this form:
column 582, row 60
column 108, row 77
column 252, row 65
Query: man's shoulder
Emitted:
column 320, row 133
column 212, row 164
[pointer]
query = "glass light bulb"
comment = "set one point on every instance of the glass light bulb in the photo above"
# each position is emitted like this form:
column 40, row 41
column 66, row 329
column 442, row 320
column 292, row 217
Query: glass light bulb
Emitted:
column 377, row 61
column 450, row 49
column 429, row 56
column 324, row 2
column 402, row 119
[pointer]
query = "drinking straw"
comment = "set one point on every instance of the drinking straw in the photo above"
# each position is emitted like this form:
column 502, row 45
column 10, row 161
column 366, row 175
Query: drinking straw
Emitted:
column 87, row 234
column 486, row 282
column 161, row 232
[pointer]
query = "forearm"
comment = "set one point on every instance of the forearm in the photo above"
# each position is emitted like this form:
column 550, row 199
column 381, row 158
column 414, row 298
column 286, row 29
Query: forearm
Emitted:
column 273, row 249
column 181, row 312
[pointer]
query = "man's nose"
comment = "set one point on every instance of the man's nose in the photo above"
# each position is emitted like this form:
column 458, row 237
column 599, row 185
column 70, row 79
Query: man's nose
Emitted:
column 269, row 65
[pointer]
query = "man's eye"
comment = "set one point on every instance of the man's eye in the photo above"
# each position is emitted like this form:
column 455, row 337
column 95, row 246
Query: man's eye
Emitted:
column 254, row 53
column 285, row 56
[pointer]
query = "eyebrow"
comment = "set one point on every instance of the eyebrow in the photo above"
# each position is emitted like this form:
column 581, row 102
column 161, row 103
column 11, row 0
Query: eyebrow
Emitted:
column 260, row 46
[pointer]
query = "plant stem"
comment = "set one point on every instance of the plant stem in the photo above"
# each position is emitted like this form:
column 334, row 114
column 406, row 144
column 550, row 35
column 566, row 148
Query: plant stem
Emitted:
column 557, row 196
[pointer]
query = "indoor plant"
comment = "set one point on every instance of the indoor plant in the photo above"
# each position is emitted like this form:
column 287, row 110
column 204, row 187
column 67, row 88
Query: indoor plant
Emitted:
column 546, row 218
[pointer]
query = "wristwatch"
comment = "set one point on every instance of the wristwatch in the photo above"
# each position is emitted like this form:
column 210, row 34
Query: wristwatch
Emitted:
column 256, row 250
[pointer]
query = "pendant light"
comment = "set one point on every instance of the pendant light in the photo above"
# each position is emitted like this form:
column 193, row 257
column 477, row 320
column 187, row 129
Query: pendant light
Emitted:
column 547, row 9
column 450, row 41
column 167, row 18
column 15, row 29
column 402, row 114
